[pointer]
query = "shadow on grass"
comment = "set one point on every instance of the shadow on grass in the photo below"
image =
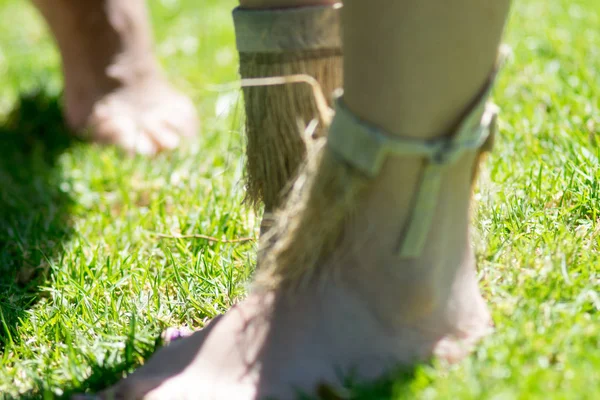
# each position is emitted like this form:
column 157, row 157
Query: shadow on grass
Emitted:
column 35, row 223
column 34, row 212
column 101, row 376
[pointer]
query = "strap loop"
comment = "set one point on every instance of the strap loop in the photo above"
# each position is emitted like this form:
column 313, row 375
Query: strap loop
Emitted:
column 368, row 146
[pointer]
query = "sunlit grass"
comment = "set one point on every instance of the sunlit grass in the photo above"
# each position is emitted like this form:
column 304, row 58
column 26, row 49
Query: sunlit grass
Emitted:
column 86, row 285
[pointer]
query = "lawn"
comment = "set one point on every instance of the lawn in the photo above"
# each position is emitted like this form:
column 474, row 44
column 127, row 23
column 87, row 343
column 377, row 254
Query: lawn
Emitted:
column 89, row 275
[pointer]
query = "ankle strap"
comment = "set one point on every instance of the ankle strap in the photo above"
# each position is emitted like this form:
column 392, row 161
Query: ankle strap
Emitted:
column 365, row 147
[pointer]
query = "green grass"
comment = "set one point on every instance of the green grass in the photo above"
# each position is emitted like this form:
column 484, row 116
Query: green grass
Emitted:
column 86, row 285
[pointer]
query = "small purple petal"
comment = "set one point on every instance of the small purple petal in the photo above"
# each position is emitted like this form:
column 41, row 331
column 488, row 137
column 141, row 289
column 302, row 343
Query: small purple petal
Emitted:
column 173, row 334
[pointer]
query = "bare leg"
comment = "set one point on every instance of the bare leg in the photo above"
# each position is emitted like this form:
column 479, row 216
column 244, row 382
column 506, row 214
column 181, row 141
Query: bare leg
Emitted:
column 333, row 293
column 113, row 85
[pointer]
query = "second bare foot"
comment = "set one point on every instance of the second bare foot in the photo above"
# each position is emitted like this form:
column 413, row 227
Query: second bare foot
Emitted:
column 114, row 90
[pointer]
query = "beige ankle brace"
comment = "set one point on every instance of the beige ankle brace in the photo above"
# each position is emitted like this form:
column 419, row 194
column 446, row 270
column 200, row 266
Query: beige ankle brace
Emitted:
column 365, row 147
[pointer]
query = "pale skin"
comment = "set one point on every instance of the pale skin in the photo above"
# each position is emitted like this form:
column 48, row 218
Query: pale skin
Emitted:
column 114, row 90
column 380, row 311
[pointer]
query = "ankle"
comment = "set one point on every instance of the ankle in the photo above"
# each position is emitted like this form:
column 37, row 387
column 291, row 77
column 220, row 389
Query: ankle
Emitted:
column 373, row 237
column 375, row 202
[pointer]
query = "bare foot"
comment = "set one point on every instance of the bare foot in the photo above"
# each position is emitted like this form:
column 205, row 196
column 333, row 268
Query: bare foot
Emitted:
column 363, row 312
column 143, row 118
column 114, row 90
column 269, row 347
